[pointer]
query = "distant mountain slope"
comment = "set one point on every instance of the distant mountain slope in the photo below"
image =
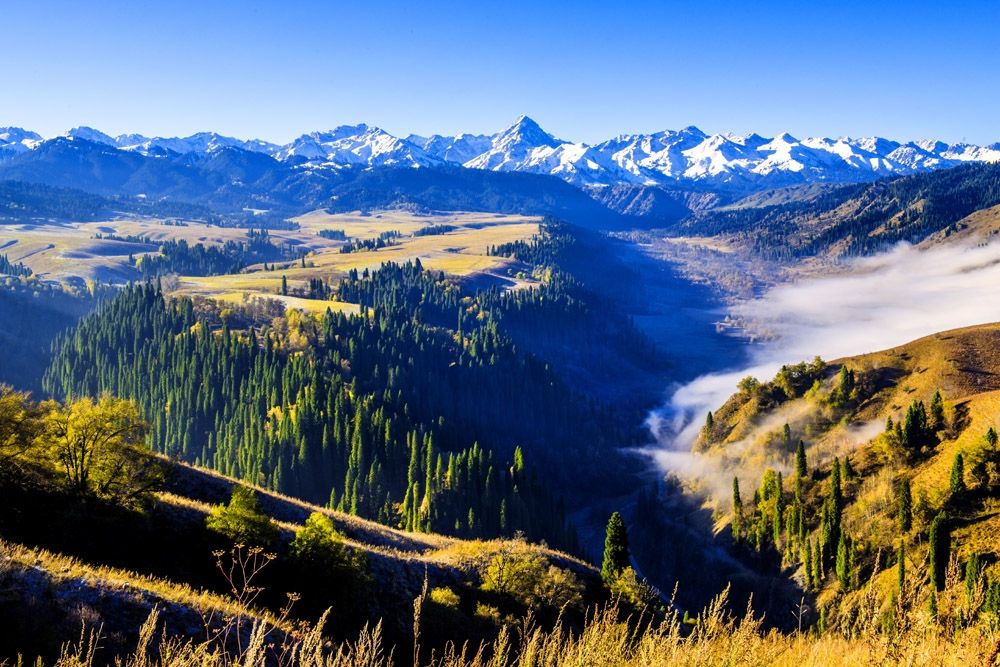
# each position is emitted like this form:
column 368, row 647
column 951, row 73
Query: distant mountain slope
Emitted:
column 231, row 180
column 854, row 219
column 686, row 157
column 26, row 202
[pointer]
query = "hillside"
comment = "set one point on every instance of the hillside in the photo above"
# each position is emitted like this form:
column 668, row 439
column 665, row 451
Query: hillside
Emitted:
column 110, row 564
column 851, row 219
column 897, row 447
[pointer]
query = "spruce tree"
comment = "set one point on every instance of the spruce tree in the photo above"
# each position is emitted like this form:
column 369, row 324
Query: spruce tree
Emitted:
column 939, row 546
column 801, row 469
column 616, row 556
column 973, row 571
column 737, row 510
column 957, row 482
column 843, row 568
column 936, row 418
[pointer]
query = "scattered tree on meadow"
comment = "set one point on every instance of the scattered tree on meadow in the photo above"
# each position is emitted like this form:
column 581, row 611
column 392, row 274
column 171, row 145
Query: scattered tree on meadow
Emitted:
column 939, row 545
column 616, row 557
column 957, row 480
column 801, row 467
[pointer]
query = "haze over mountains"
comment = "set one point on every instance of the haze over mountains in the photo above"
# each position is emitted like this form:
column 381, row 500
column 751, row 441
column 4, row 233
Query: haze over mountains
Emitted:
column 686, row 157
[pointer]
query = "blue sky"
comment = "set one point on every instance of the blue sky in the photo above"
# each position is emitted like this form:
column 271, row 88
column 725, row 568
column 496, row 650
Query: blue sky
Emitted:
column 584, row 70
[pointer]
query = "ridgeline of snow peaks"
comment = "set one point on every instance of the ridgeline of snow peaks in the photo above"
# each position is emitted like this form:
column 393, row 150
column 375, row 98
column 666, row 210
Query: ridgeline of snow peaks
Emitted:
column 671, row 157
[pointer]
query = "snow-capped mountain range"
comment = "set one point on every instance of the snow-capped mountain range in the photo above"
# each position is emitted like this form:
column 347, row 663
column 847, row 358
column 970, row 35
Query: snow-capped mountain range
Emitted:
column 671, row 157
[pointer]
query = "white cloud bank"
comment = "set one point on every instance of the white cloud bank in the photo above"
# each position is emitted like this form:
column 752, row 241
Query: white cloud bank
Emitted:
column 882, row 302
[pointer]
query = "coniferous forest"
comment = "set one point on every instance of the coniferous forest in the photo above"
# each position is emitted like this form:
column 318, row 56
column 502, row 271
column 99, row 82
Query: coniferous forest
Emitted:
column 420, row 413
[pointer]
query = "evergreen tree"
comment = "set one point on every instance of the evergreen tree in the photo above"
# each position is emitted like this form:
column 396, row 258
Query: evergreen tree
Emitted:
column 737, row 510
column 843, row 569
column 957, row 481
column 939, row 546
column 936, row 417
column 849, row 472
column 616, row 557
column 973, row 572
column 801, row 469
column 904, row 506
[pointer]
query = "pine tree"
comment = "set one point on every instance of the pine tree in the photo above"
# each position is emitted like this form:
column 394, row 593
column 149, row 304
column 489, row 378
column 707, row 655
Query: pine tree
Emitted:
column 819, row 573
column 843, row 562
column 801, row 469
column 957, row 482
column 849, row 472
column 904, row 506
column 737, row 510
column 616, row 557
column 939, row 546
column 973, row 571
column 936, row 418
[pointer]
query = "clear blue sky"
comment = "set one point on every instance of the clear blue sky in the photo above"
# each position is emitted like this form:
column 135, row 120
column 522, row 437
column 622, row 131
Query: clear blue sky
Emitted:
column 584, row 70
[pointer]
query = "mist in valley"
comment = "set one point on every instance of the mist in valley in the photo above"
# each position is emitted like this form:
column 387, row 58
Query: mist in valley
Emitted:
column 869, row 304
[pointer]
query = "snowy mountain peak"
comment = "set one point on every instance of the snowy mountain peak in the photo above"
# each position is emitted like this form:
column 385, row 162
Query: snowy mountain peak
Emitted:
column 669, row 157
column 527, row 131
column 16, row 140
column 90, row 134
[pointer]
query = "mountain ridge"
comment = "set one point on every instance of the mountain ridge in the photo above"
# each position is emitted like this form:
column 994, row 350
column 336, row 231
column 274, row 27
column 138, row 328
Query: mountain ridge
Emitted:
column 687, row 156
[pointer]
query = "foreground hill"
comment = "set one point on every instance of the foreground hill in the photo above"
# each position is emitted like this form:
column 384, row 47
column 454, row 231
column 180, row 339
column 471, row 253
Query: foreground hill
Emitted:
column 110, row 565
column 891, row 475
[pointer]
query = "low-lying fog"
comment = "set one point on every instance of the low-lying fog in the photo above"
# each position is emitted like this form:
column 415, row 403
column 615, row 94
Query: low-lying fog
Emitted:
column 882, row 302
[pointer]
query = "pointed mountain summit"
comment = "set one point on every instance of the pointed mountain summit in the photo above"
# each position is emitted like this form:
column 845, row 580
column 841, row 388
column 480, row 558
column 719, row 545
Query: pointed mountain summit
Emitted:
column 511, row 149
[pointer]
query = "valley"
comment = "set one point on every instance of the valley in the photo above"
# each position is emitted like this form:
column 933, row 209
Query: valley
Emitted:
column 451, row 386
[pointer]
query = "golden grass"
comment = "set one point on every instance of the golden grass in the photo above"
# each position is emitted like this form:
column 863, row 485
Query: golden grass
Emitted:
column 60, row 568
column 461, row 253
column 714, row 638
column 69, row 253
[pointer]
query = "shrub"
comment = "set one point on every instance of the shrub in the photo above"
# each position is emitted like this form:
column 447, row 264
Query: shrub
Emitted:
column 242, row 520
column 523, row 574
column 445, row 597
